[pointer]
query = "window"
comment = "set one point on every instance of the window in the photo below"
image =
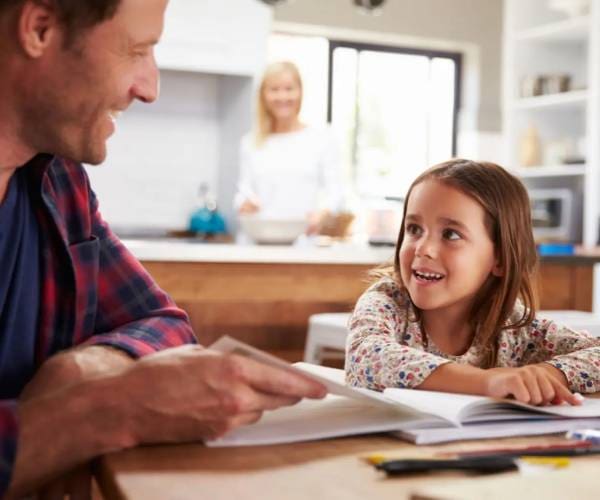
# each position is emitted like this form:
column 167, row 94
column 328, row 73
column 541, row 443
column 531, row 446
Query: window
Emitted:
column 394, row 109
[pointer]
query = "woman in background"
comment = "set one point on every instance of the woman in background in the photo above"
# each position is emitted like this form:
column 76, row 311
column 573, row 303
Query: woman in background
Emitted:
column 288, row 169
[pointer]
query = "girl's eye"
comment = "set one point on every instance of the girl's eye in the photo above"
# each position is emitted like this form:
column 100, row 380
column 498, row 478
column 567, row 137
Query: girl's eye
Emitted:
column 413, row 229
column 451, row 234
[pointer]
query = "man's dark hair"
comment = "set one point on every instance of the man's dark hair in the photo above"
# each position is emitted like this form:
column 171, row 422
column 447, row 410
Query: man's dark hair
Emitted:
column 75, row 15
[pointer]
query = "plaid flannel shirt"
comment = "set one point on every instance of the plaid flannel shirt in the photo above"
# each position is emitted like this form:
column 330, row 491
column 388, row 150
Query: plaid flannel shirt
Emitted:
column 93, row 291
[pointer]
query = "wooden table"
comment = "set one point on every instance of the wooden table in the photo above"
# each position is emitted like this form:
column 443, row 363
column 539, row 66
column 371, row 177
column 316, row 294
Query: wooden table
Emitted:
column 329, row 469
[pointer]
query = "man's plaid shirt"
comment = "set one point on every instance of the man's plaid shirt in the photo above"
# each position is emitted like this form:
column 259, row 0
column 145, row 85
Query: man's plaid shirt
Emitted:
column 93, row 291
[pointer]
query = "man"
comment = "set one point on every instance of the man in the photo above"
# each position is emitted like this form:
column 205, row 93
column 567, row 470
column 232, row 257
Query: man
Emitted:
column 76, row 309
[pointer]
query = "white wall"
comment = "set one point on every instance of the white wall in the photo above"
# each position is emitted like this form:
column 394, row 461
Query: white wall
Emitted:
column 161, row 153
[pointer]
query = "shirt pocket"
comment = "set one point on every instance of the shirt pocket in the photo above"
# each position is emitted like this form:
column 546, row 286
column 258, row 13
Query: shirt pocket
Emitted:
column 85, row 257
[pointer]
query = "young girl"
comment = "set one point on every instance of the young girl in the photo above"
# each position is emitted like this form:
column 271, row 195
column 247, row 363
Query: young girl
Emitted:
column 457, row 311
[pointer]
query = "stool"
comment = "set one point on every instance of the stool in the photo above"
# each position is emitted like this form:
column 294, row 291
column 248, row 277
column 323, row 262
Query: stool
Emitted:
column 577, row 320
column 327, row 330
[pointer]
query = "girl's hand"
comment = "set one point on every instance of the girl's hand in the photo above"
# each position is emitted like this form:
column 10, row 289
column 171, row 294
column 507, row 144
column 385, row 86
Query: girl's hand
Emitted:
column 540, row 384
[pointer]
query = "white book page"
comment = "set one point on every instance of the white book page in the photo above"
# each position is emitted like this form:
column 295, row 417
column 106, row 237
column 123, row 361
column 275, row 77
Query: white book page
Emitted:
column 448, row 406
column 463, row 408
column 311, row 419
column 587, row 409
column 490, row 430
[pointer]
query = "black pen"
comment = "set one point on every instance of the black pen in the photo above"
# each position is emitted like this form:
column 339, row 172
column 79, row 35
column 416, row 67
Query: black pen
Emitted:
column 496, row 462
column 485, row 464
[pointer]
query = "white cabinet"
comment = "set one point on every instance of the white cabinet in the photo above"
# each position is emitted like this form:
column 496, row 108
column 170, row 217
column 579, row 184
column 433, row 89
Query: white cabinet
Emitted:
column 541, row 44
column 226, row 37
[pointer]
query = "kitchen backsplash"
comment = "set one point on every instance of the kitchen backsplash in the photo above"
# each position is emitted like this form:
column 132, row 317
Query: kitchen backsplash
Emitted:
column 160, row 154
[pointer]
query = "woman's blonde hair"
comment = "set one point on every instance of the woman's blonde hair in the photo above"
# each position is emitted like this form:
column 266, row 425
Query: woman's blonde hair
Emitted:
column 264, row 120
column 508, row 220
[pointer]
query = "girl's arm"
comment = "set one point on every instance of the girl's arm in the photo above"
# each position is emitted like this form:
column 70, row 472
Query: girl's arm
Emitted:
column 575, row 354
column 538, row 384
column 380, row 351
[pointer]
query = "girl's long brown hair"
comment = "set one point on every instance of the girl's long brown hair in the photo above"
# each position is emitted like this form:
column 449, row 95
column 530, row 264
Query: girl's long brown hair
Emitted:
column 508, row 219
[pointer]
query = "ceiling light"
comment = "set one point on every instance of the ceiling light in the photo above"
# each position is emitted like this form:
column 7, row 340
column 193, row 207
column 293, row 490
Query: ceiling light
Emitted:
column 370, row 6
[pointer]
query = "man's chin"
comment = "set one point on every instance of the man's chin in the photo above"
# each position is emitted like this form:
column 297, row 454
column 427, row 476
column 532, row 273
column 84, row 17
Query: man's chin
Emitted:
column 95, row 157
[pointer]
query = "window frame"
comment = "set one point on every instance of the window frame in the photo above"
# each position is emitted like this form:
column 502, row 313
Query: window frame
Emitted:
column 456, row 57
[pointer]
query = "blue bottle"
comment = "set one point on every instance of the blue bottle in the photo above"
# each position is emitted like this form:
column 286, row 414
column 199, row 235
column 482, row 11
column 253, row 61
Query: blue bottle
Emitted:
column 206, row 220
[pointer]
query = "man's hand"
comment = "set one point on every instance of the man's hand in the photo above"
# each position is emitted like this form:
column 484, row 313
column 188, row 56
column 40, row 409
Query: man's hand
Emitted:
column 182, row 394
column 191, row 393
column 539, row 384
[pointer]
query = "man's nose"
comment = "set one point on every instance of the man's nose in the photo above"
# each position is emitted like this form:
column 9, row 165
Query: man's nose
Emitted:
column 147, row 84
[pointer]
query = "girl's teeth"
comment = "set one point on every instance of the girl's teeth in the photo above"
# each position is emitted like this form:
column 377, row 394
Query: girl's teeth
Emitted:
column 429, row 276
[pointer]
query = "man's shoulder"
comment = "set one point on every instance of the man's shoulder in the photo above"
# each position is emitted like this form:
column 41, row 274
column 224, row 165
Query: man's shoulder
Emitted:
column 60, row 175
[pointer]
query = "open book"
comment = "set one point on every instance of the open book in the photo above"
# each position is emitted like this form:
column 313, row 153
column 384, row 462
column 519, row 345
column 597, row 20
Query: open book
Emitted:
column 420, row 416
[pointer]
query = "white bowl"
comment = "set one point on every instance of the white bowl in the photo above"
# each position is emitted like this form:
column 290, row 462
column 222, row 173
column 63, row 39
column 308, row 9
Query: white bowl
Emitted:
column 272, row 231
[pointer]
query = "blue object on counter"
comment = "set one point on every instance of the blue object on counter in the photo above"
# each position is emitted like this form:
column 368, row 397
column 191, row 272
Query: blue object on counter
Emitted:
column 545, row 249
column 206, row 221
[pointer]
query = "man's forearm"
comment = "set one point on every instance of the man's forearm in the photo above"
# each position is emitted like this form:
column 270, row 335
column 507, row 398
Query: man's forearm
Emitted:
column 66, row 394
column 67, row 427
column 73, row 366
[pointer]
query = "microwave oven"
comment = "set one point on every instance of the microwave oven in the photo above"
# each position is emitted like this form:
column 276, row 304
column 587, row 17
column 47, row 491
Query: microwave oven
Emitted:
column 552, row 214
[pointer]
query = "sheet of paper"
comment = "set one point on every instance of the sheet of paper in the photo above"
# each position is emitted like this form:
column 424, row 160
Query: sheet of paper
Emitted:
column 577, row 481
column 329, row 377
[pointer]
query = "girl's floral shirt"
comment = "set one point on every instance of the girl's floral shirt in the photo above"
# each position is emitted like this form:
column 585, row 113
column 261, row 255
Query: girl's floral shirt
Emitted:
column 387, row 348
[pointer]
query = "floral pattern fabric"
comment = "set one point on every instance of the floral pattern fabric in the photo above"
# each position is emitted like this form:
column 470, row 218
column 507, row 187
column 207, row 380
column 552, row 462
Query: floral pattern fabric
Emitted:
column 387, row 348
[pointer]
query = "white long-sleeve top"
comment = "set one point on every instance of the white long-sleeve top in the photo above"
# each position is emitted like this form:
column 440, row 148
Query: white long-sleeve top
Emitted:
column 292, row 174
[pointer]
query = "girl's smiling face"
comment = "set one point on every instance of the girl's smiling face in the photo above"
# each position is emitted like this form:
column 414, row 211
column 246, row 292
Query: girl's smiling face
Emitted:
column 447, row 253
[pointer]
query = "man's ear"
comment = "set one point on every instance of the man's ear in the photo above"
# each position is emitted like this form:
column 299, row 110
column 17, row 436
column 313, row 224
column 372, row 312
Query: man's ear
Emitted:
column 38, row 26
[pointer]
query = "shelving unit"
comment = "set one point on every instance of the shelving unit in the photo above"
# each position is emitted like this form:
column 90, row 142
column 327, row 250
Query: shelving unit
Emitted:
column 573, row 98
column 540, row 41
column 550, row 171
column 569, row 30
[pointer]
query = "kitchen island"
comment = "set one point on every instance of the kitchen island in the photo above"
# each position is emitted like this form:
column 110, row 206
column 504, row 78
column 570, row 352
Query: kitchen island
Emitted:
column 264, row 294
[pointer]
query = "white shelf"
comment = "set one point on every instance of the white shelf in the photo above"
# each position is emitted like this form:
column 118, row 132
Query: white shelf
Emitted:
column 538, row 42
column 564, row 99
column 570, row 30
column 550, row 171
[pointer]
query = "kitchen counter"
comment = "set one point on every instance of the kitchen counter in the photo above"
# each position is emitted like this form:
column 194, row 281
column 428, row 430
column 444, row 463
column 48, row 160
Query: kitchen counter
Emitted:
column 176, row 250
column 172, row 250
column 265, row 294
